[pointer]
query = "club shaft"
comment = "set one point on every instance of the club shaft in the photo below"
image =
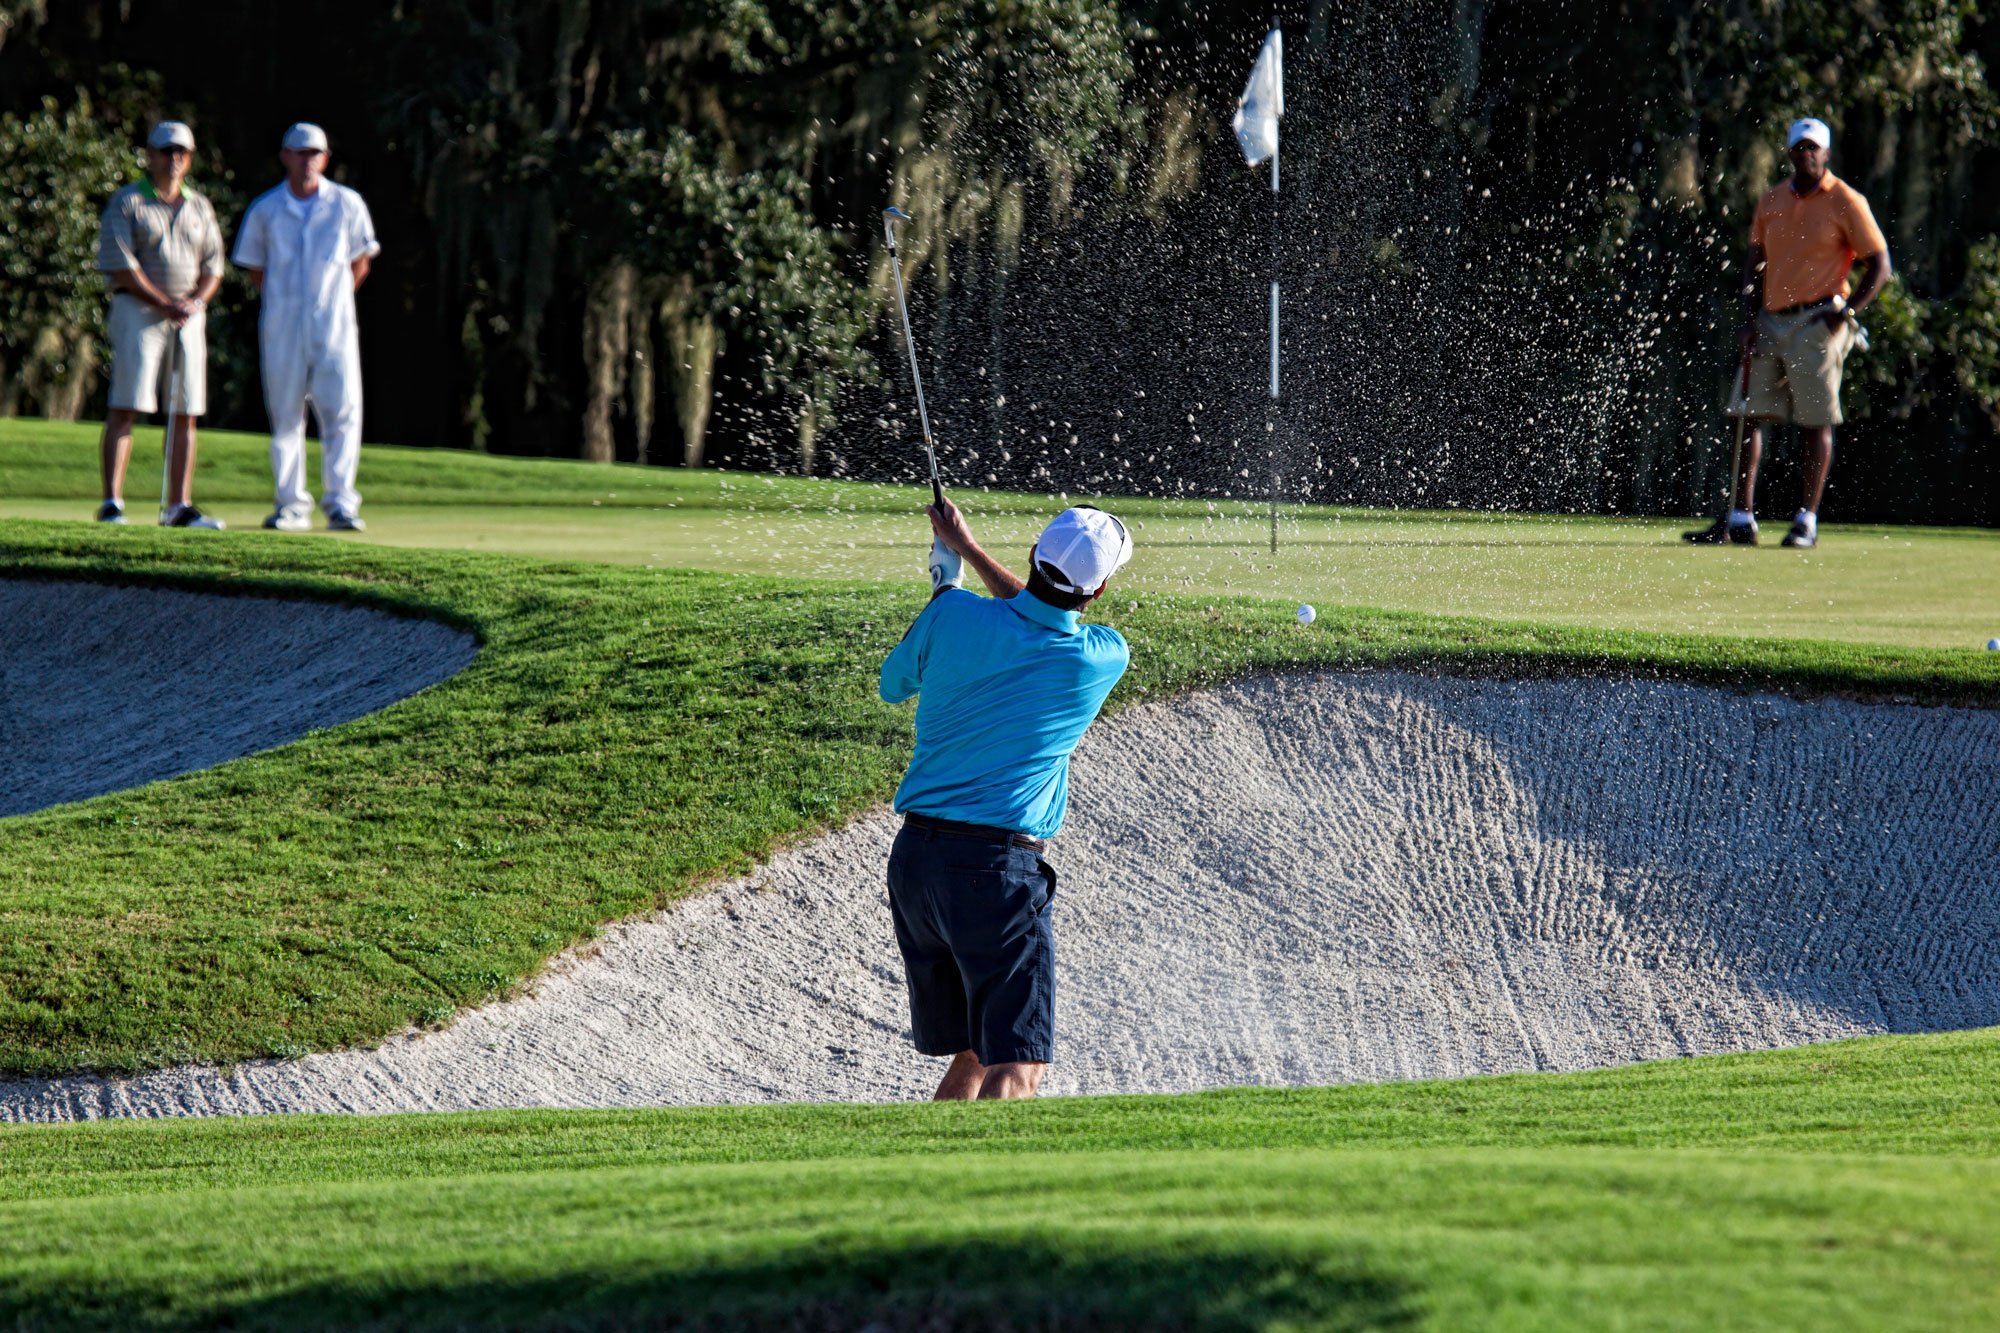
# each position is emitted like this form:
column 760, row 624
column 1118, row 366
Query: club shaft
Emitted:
column 1736, row 454
column 916, row 377
column 173, row 401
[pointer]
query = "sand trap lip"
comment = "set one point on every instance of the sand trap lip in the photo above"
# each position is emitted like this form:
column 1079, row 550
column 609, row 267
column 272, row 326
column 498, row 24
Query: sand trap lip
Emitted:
column 1301, row 880
column 105, row 687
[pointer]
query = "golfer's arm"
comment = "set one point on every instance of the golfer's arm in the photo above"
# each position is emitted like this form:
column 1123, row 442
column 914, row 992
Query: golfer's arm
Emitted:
column 360, row 267
column 138, row 284
column 1874, row 277
column 256, row 276
column 993, row 574
column 205, row 290
column 1753, row 282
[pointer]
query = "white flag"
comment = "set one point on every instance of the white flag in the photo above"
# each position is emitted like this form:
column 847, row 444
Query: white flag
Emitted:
column 1263, row 101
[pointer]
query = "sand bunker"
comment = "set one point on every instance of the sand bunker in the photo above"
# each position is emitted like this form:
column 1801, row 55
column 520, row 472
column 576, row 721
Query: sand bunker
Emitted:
column 1303, row 880
column 103, row 688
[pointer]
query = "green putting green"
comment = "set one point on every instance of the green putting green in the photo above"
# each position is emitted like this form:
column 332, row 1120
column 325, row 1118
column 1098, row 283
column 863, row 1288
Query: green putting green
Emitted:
column 1908, row 587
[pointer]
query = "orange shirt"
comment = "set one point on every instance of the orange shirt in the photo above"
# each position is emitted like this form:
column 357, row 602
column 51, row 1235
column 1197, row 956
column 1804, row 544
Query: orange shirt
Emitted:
column 1811, row 241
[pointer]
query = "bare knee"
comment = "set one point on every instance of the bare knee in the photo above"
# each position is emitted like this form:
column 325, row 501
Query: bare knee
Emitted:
column 1013, row 1080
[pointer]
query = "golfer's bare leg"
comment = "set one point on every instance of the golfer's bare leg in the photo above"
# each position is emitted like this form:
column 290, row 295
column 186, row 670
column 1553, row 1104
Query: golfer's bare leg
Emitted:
column 1746, row 474
column 1818, row 442
column 1006, row 1082
column 180, row 469
column 962, row 1080
column 115, row 449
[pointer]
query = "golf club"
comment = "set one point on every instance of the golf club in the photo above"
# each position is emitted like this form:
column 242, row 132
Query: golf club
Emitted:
column 173, row 400
column 1742, row 421
column 890, row 216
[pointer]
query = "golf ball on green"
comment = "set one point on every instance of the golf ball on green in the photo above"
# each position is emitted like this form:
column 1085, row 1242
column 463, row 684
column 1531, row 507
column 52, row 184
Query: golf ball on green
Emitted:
column 1306, row 614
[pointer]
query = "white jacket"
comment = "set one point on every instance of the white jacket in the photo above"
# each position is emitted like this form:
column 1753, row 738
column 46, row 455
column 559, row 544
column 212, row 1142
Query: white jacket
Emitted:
column 307, row 316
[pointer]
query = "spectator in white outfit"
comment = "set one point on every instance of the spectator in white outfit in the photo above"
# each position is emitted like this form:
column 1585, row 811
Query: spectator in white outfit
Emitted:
column 307, row 245
column 160, row 249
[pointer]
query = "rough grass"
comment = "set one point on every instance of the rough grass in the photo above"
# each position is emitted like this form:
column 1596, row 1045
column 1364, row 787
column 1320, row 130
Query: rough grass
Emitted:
column 622, row 737
column 1851, row 1185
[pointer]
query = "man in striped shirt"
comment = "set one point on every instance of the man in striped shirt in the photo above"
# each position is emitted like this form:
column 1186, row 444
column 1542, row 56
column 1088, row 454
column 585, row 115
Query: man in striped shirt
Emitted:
column 160, row 250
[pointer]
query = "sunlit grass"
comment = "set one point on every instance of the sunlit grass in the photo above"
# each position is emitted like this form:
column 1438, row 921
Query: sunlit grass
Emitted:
column 1904, row 586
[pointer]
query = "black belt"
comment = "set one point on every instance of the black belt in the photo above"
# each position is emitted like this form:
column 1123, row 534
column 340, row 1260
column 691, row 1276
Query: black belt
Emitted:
column 1808, row 305
column 952, row 828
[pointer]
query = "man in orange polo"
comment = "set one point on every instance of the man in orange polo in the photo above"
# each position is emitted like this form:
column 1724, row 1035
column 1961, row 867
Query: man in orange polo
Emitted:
column 1799, row 322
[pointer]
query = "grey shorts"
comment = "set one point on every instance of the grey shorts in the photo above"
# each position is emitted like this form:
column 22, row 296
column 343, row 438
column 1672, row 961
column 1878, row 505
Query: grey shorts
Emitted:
column 141, row 338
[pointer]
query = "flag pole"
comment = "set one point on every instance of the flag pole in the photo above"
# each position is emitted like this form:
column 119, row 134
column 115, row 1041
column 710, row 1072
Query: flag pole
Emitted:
column 1277, row 230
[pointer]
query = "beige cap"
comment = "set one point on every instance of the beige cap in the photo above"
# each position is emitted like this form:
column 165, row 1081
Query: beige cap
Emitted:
column 307, row 136
column 171, row 134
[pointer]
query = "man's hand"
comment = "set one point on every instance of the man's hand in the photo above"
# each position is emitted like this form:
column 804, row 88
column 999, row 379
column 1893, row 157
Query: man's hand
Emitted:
column 954, row 539
column 946, row 569
column 948, row 524
column 179, row 312
column 1833, row 317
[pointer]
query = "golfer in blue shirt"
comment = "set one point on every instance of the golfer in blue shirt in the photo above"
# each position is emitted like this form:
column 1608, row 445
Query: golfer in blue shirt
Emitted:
column 1006, row 686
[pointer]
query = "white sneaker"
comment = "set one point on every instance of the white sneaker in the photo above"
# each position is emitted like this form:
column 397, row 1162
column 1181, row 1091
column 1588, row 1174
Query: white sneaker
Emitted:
column 284, row 522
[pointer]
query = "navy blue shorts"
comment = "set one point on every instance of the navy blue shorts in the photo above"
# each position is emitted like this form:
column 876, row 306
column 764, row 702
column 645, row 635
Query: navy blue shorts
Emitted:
column 972, row 919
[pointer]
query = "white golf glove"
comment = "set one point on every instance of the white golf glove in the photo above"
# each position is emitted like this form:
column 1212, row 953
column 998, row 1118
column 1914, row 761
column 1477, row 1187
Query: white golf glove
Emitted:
column 946, row 569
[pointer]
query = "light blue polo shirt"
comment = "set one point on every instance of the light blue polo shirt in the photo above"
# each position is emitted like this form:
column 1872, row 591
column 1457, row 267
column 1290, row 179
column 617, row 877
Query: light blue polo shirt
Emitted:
column 1005, row 691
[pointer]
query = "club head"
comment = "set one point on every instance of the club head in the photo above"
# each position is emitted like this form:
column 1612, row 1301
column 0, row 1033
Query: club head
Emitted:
column 895, row 213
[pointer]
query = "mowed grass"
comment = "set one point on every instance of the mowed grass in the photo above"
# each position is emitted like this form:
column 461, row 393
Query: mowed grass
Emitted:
column 627, row 734
column 1899, row 586
column 623, row 736
column 1850, row 1185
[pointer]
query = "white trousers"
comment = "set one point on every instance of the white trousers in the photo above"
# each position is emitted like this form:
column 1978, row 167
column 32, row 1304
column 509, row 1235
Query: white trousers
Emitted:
column 334, row 390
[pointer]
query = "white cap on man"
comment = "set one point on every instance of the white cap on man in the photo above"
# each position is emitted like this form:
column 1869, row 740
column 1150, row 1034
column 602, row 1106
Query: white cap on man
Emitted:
column 171, row 134
column 1082, row 548
column 1809, row 131
column 306, row 137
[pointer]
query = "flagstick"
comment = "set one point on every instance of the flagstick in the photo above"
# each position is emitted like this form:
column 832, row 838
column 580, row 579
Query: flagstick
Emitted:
column 1271, row 412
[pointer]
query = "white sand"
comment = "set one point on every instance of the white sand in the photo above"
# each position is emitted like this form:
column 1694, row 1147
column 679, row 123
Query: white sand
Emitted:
column 103, row 688
column 1302, row 880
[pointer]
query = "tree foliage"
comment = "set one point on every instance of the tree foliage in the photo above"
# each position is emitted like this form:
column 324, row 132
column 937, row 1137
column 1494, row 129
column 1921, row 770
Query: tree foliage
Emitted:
column 58, row 167
column 649, row 228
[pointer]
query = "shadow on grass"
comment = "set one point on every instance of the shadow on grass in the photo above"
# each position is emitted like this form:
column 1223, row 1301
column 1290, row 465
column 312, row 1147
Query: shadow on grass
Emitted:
column 1016, row 1287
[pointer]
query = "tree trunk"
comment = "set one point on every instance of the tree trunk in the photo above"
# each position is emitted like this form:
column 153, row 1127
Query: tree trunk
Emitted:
column 606, row 343
column 691, row 347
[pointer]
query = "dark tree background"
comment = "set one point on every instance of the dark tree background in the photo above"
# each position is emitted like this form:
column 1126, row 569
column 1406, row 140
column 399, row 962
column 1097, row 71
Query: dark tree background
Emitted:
column 648, row 229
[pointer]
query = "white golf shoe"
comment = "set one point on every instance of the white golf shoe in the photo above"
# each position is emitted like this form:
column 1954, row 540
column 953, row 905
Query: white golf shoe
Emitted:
column 284, row 522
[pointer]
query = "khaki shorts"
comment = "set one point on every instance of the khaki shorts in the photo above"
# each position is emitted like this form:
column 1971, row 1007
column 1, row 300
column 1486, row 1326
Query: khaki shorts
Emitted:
column 140, row 337
column 1795, row 370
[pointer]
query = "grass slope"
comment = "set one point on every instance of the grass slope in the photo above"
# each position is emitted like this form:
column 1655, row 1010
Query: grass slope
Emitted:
column 1903, row 586
column 1847, row 1185
column 622, row 736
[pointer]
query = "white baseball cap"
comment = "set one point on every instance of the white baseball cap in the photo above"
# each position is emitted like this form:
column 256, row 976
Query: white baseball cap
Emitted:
column 171, row 134
column 307, row 136
column 1082, row 548
column 1809, row 130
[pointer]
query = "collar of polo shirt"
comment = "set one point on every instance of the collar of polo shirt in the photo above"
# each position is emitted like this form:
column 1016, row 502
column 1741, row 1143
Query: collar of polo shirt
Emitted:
column 1032, row 608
